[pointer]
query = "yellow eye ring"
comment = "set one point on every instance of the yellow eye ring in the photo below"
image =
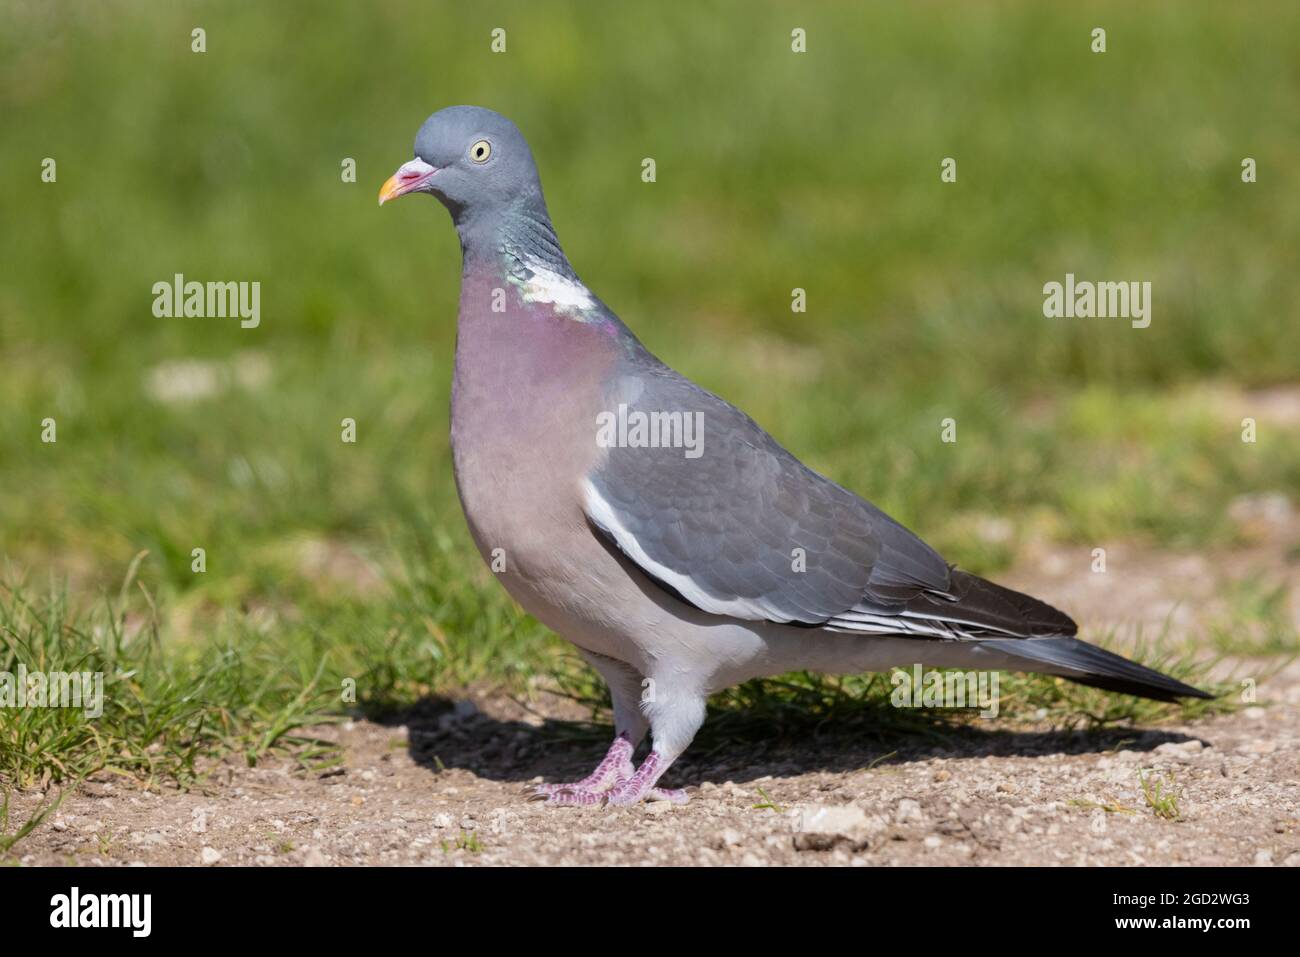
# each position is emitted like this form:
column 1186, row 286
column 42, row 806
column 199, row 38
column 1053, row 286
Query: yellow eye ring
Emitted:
column 480, row 151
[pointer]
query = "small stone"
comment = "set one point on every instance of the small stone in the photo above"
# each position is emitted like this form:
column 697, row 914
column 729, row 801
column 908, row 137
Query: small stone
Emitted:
column 821, row 827
column 730, row 837
column 943, row 774
column 908, row 810
column 1263, row 858
column 314, row 858
column 1180, row 749
column 210, row 855
column 1006, row 787
column 933, row 841
column 658, row 807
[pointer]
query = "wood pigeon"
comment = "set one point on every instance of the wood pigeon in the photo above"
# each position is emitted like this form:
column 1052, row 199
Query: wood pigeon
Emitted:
column 656, row 526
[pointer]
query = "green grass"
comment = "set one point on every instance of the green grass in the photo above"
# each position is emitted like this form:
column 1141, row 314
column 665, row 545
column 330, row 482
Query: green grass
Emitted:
column 1256, row 620
column 1162, row 795
column 465, row 841
column 777, row 171
column 1109, row 808
column 161, row 710
column 329, row 562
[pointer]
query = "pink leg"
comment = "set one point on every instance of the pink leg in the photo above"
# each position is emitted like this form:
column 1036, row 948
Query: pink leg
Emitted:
column 616, row 766
column 610, row 776
column 641, row 785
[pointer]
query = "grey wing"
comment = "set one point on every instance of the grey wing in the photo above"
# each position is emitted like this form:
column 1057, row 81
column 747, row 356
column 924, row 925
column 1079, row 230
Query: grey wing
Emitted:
column 732, row 523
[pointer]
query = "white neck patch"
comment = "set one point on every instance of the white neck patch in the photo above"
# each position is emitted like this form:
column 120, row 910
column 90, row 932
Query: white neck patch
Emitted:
column 547, row 286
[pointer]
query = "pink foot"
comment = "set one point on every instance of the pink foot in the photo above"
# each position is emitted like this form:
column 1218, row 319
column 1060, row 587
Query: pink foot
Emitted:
column 613, row 776
column 573, row 796
column 616, row 767
column 641, row 785
column 671, row 795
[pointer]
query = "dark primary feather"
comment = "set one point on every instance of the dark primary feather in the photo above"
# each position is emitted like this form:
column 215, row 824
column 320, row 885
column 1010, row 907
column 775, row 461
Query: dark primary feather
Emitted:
column 976, row 605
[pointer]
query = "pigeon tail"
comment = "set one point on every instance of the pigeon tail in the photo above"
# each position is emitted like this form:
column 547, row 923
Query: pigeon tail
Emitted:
column 1095, row 667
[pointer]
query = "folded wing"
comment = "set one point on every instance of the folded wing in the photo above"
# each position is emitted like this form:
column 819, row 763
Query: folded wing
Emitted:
column 737, row 526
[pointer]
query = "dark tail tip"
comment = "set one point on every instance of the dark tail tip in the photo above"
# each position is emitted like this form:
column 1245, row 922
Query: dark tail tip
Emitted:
column 1143, row 689
column 1095, row 667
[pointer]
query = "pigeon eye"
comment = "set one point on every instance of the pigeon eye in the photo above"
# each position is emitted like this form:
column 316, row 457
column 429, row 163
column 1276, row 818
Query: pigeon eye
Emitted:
column 480, row 151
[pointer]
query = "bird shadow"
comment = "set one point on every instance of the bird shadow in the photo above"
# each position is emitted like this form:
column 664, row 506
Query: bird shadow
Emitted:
column 443, row 735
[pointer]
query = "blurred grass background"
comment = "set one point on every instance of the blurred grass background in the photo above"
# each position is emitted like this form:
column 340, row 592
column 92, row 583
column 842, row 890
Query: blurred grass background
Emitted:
column 775, row 171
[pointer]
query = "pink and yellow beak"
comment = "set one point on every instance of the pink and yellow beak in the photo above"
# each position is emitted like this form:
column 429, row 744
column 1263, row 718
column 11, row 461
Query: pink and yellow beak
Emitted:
column 408, row 178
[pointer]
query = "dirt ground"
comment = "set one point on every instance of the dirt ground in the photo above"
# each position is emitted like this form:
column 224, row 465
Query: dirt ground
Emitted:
column 444, row 788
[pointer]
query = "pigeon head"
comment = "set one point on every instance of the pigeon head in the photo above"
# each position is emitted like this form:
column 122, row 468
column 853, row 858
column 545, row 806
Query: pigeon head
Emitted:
column 475, row 161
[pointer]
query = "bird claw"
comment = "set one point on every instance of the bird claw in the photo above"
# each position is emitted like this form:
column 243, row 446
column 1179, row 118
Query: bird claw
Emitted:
column 545, row 790
column 578, row 795
column 671, row 795
column 569, row 797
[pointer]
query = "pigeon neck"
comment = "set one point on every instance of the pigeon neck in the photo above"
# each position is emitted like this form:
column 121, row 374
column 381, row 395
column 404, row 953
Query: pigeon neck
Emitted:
column 516, row 237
